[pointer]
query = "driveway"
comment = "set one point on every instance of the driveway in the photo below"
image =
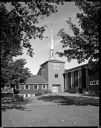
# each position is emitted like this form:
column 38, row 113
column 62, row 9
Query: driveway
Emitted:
column 41, row 113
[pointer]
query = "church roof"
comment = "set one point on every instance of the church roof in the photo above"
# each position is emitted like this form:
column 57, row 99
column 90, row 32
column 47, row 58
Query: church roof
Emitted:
column 36, row 79
column 53, row 61
column 75, row 68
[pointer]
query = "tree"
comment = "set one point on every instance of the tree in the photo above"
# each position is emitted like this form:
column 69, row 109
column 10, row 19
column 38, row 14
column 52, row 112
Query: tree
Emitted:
column 19, row 23
column 84, row 44
column 15, row 73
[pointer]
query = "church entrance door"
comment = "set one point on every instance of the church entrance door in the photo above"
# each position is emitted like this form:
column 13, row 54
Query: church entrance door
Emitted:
column 55, row 88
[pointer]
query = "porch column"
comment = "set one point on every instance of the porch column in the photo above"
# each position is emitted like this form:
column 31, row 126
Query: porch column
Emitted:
column 87, row 78
column 80, row 78
column 66, row 81
column 72, row 79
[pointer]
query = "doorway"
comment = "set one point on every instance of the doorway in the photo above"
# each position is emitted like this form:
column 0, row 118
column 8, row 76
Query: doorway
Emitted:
column 55, row 88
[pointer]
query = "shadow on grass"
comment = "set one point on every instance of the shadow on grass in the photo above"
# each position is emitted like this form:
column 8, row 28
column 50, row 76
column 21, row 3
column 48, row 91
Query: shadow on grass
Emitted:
column 19, row 105
column 70, row 100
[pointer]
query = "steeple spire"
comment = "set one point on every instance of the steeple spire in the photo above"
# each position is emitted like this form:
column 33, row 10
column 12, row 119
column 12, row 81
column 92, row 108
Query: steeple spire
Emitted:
column 51, row 49
column 51, row 37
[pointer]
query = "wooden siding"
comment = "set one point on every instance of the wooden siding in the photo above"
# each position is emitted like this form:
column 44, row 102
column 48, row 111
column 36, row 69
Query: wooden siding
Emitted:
column 94, row 77
column 32, row 90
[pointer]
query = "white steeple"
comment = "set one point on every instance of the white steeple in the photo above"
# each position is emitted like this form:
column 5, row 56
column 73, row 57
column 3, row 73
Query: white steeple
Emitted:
column 51, row 49
column 51, row 37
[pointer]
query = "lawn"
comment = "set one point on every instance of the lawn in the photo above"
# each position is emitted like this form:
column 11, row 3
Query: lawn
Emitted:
column 20, row 105
column 66, row 111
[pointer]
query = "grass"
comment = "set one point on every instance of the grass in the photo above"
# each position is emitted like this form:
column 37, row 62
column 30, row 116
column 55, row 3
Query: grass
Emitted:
column 20, row 105
column 70, row 100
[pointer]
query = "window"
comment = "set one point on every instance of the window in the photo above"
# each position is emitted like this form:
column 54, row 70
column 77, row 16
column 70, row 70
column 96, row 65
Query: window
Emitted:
column 27, row 87
column 91, row 82
column 7, row 85
column 44, row 87
column 17, row 87
column 95, row 82
column 56, row 66
column 26, row 95
column 35, row 87
column 56, row 75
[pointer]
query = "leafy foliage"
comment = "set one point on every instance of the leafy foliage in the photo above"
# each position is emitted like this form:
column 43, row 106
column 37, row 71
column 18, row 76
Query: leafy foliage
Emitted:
column 19, row 23
column 84, row 44
column 14, row 73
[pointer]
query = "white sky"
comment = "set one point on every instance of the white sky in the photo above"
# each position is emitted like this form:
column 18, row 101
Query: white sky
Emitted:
column 42, row 47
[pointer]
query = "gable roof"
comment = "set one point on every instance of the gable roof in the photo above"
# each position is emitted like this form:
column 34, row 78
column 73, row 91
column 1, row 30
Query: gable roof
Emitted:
column 36, row 79
column 54, row 61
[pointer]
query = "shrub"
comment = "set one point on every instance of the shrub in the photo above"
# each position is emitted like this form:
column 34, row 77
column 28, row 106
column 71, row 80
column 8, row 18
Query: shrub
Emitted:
column 47, row 92
column 80, row 90
column 7, row 95
column 38, row 94
column 18, row 97
column 71, row 90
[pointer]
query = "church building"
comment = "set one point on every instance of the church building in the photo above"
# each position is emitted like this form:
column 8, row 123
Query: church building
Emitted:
column 52, row 70
column 52, row 76
column 60, row 80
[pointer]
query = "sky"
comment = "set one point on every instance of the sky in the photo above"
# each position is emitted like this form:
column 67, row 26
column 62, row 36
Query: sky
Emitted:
column 41, row 48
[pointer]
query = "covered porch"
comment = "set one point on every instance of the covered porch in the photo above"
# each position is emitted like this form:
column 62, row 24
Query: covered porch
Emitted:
column 76, row 78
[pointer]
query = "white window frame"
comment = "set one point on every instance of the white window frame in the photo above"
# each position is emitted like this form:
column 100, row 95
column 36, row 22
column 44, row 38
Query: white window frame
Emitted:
column 45, row 87
column 97, row 82
column 28, row 95
column 37, row 86
column 56, row 66
column 91, row 83
column 94, row 82
column 16, row 88
column 28, row 87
